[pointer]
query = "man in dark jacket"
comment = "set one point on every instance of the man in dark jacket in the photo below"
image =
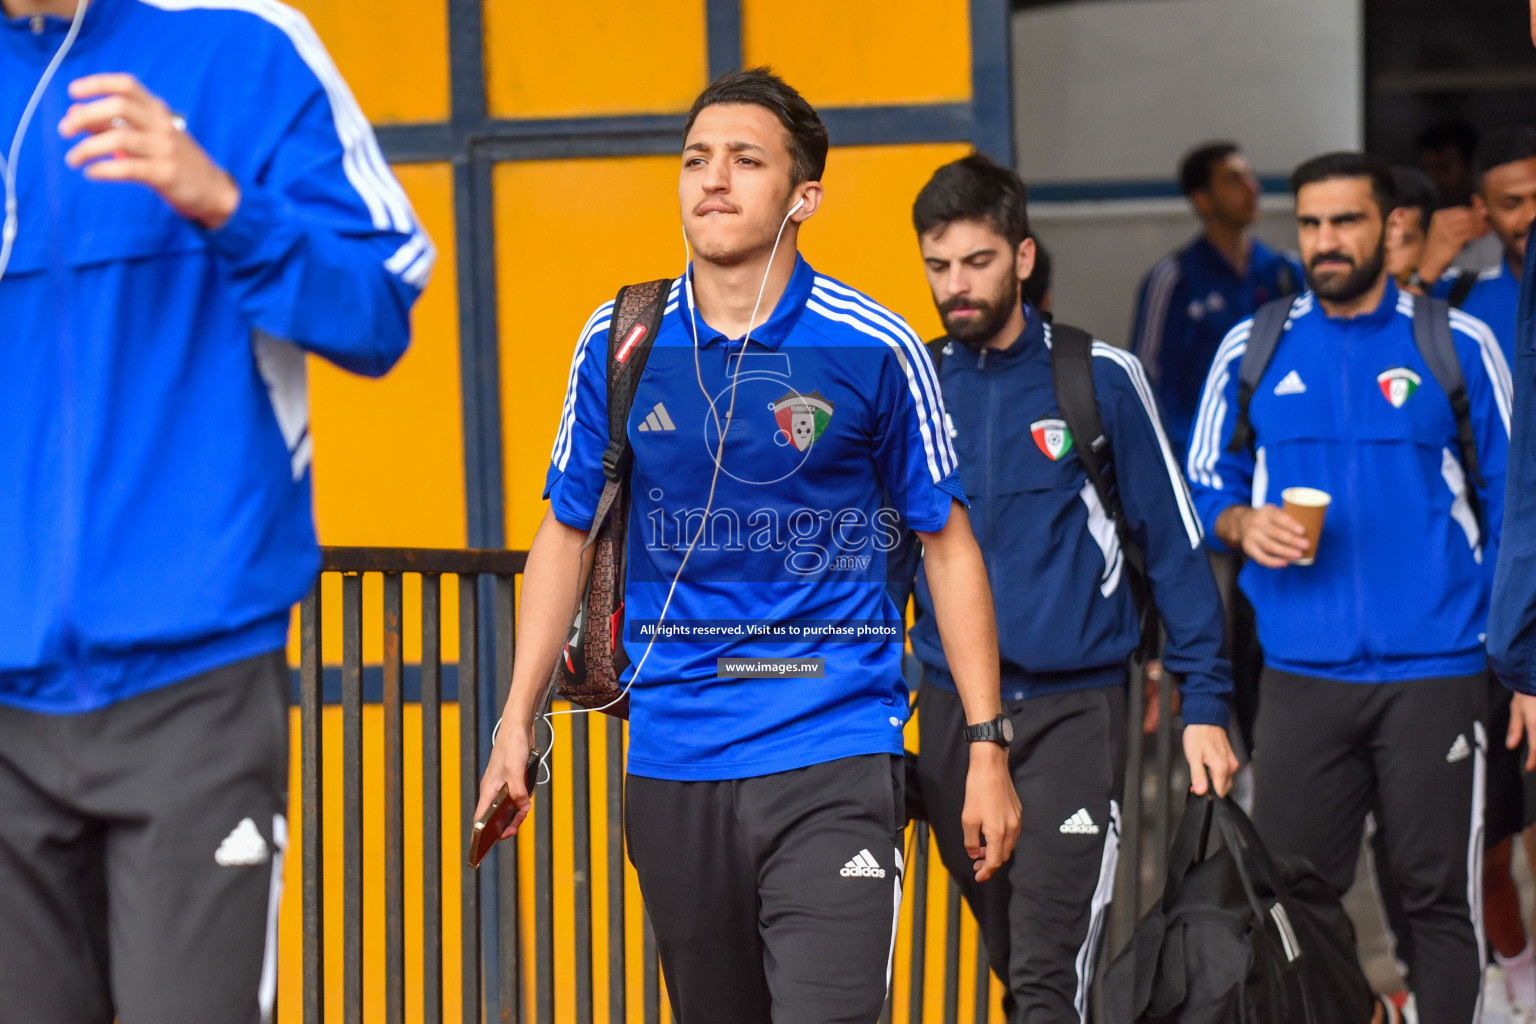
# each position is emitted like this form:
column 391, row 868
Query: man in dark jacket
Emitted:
column 1066, row 620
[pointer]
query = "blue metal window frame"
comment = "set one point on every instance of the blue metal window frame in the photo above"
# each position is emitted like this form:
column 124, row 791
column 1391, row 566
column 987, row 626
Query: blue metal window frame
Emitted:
column 473, row 143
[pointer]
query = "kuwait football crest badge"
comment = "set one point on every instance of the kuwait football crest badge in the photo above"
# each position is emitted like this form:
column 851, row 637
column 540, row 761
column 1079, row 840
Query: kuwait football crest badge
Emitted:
column 1398, row 385
column 1052, row 438
column 802, row 418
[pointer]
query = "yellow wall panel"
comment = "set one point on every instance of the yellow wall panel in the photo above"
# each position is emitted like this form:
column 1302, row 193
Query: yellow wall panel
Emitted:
column 583, row 57
column 863, row 232
column 849, row 54
column 394, row 54
column 568, row 235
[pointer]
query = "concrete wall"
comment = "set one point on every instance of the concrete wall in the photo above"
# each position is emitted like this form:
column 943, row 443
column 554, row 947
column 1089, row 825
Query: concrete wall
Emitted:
column 1109, row 94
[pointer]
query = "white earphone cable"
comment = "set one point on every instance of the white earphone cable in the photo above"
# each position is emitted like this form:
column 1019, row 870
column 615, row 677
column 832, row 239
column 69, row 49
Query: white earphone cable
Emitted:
column 713, row 482
column 8, row 166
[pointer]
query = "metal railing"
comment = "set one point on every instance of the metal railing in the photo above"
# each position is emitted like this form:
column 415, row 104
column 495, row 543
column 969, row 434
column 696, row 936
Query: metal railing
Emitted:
column 495, row 977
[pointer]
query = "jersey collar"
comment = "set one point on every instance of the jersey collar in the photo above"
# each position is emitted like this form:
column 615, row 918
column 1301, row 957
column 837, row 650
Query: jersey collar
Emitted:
column 773, row 332
column 98, row 17
column 1382, row 314
column 1031, row 341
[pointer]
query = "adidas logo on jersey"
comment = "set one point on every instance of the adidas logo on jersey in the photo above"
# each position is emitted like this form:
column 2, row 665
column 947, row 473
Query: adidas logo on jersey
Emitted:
column 658, row 420
column 1291, row 384
column 863, row 866
column 1460, row 750
column 243, row 847
column 1080, row 824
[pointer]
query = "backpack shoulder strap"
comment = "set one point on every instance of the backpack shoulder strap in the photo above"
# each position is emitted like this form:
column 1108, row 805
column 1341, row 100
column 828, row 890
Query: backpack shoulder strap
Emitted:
column 1263, row 339
column 1076, row 397
column 936, row 350
column 637, row 313
column 1462, row 287
column 1437, row 346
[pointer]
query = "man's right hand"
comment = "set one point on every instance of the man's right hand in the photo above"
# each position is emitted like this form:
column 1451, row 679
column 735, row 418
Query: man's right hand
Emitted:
column 1450, row 230
column 1265, row 534
column 508, row 767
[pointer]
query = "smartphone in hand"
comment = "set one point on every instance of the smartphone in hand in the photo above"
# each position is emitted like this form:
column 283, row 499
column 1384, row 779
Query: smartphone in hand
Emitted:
column 490, row 825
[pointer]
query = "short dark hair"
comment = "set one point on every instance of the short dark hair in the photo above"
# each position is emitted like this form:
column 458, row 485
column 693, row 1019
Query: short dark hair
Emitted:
column 1038, row 283
column 974, row 188
column 760, row 87
column 1350, row 165
column 1199, row 165
column 1452, row 134
column 1500, row 147
column 1415, row 192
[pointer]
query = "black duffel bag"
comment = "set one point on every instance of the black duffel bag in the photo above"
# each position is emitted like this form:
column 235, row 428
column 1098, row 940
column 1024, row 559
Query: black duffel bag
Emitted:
column 1238, row 937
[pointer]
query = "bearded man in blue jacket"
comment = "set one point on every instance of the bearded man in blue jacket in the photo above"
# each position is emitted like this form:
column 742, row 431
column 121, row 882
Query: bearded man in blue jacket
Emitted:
column 1374, row 683
column 193, row 202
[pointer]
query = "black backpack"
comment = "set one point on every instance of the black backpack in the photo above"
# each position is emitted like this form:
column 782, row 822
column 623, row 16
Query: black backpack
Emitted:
column 1238, row 937
column 593, row 658
column 1072, row 374
column 1432, row 335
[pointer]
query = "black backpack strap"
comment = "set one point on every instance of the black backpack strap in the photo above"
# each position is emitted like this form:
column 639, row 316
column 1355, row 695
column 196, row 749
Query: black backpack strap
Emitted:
column 1263, row 339
column 936, row 350
column 636, row 318
column 1432, row 335
column 1072, row 374
column 1465, row 281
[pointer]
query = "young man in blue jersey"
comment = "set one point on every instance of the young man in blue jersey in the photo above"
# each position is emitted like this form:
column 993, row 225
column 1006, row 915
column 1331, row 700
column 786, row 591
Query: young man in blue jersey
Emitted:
column 765, row 815
column 198, row 202
column 1505, row 199
column 1066, row 620
column 1191, row 298
column 1374, row 680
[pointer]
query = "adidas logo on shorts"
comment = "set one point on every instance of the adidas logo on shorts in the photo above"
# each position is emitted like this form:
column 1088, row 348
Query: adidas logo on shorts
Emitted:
column 1080, row 824
column 863, row 866
column 1460, row 750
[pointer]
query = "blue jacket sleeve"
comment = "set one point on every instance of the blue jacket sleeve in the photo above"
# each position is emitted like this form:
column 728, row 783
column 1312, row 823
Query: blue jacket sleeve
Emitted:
column 324, row 250
column 574, row 482
column 1512, row 614
column 1161, row 516
column 1218, row 478
column 1154, row 303
column 1488, row 392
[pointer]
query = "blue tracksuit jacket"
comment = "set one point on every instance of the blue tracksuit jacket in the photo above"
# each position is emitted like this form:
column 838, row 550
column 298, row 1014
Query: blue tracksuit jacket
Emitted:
column 155, row 513
column 1187, row 303
column 1493, row 300
column 1399, row 590
column 1512, row 614
column 1065, row 617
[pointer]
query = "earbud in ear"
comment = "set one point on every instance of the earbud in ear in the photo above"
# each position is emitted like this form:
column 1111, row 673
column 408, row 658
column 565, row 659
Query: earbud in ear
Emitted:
column 797, row 206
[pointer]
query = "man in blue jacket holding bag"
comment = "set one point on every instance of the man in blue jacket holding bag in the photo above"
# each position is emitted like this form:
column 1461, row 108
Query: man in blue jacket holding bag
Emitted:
column 1374, row 686
column 193, row 202
column 1066, row 619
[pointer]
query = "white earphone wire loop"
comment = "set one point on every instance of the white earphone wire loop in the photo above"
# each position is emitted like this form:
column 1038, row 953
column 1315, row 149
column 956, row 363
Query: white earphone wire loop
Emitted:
column 548, row 716
column 9, row 224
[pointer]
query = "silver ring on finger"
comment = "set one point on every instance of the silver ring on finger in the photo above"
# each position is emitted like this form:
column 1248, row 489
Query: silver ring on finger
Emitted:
column 119, row 123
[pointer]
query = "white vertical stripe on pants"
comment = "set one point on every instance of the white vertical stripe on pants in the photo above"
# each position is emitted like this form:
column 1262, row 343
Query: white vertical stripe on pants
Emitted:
column 890, row 960
column 266, row 992
column 1102, row 894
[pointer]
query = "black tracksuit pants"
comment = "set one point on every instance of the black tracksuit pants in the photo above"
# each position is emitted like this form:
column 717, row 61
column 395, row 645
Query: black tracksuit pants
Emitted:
column 1042, row 917
column 1327, row 753
column 774, row 899
column 141, row 854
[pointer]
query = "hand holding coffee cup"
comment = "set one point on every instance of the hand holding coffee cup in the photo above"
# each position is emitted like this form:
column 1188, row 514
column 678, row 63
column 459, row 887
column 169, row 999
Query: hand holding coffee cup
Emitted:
column 1270, row 536
column 1307, row 506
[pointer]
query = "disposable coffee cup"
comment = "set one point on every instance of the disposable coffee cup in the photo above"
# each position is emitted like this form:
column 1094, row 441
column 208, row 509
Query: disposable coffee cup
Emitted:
column 1308, row 506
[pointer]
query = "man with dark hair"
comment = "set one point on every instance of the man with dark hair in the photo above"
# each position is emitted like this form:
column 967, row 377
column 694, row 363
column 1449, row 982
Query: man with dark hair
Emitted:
column 1375, row 678
column 1192, row 297
column 764, row 805
column 1408, row 225
column 1044, row 530
column 1504, row 198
